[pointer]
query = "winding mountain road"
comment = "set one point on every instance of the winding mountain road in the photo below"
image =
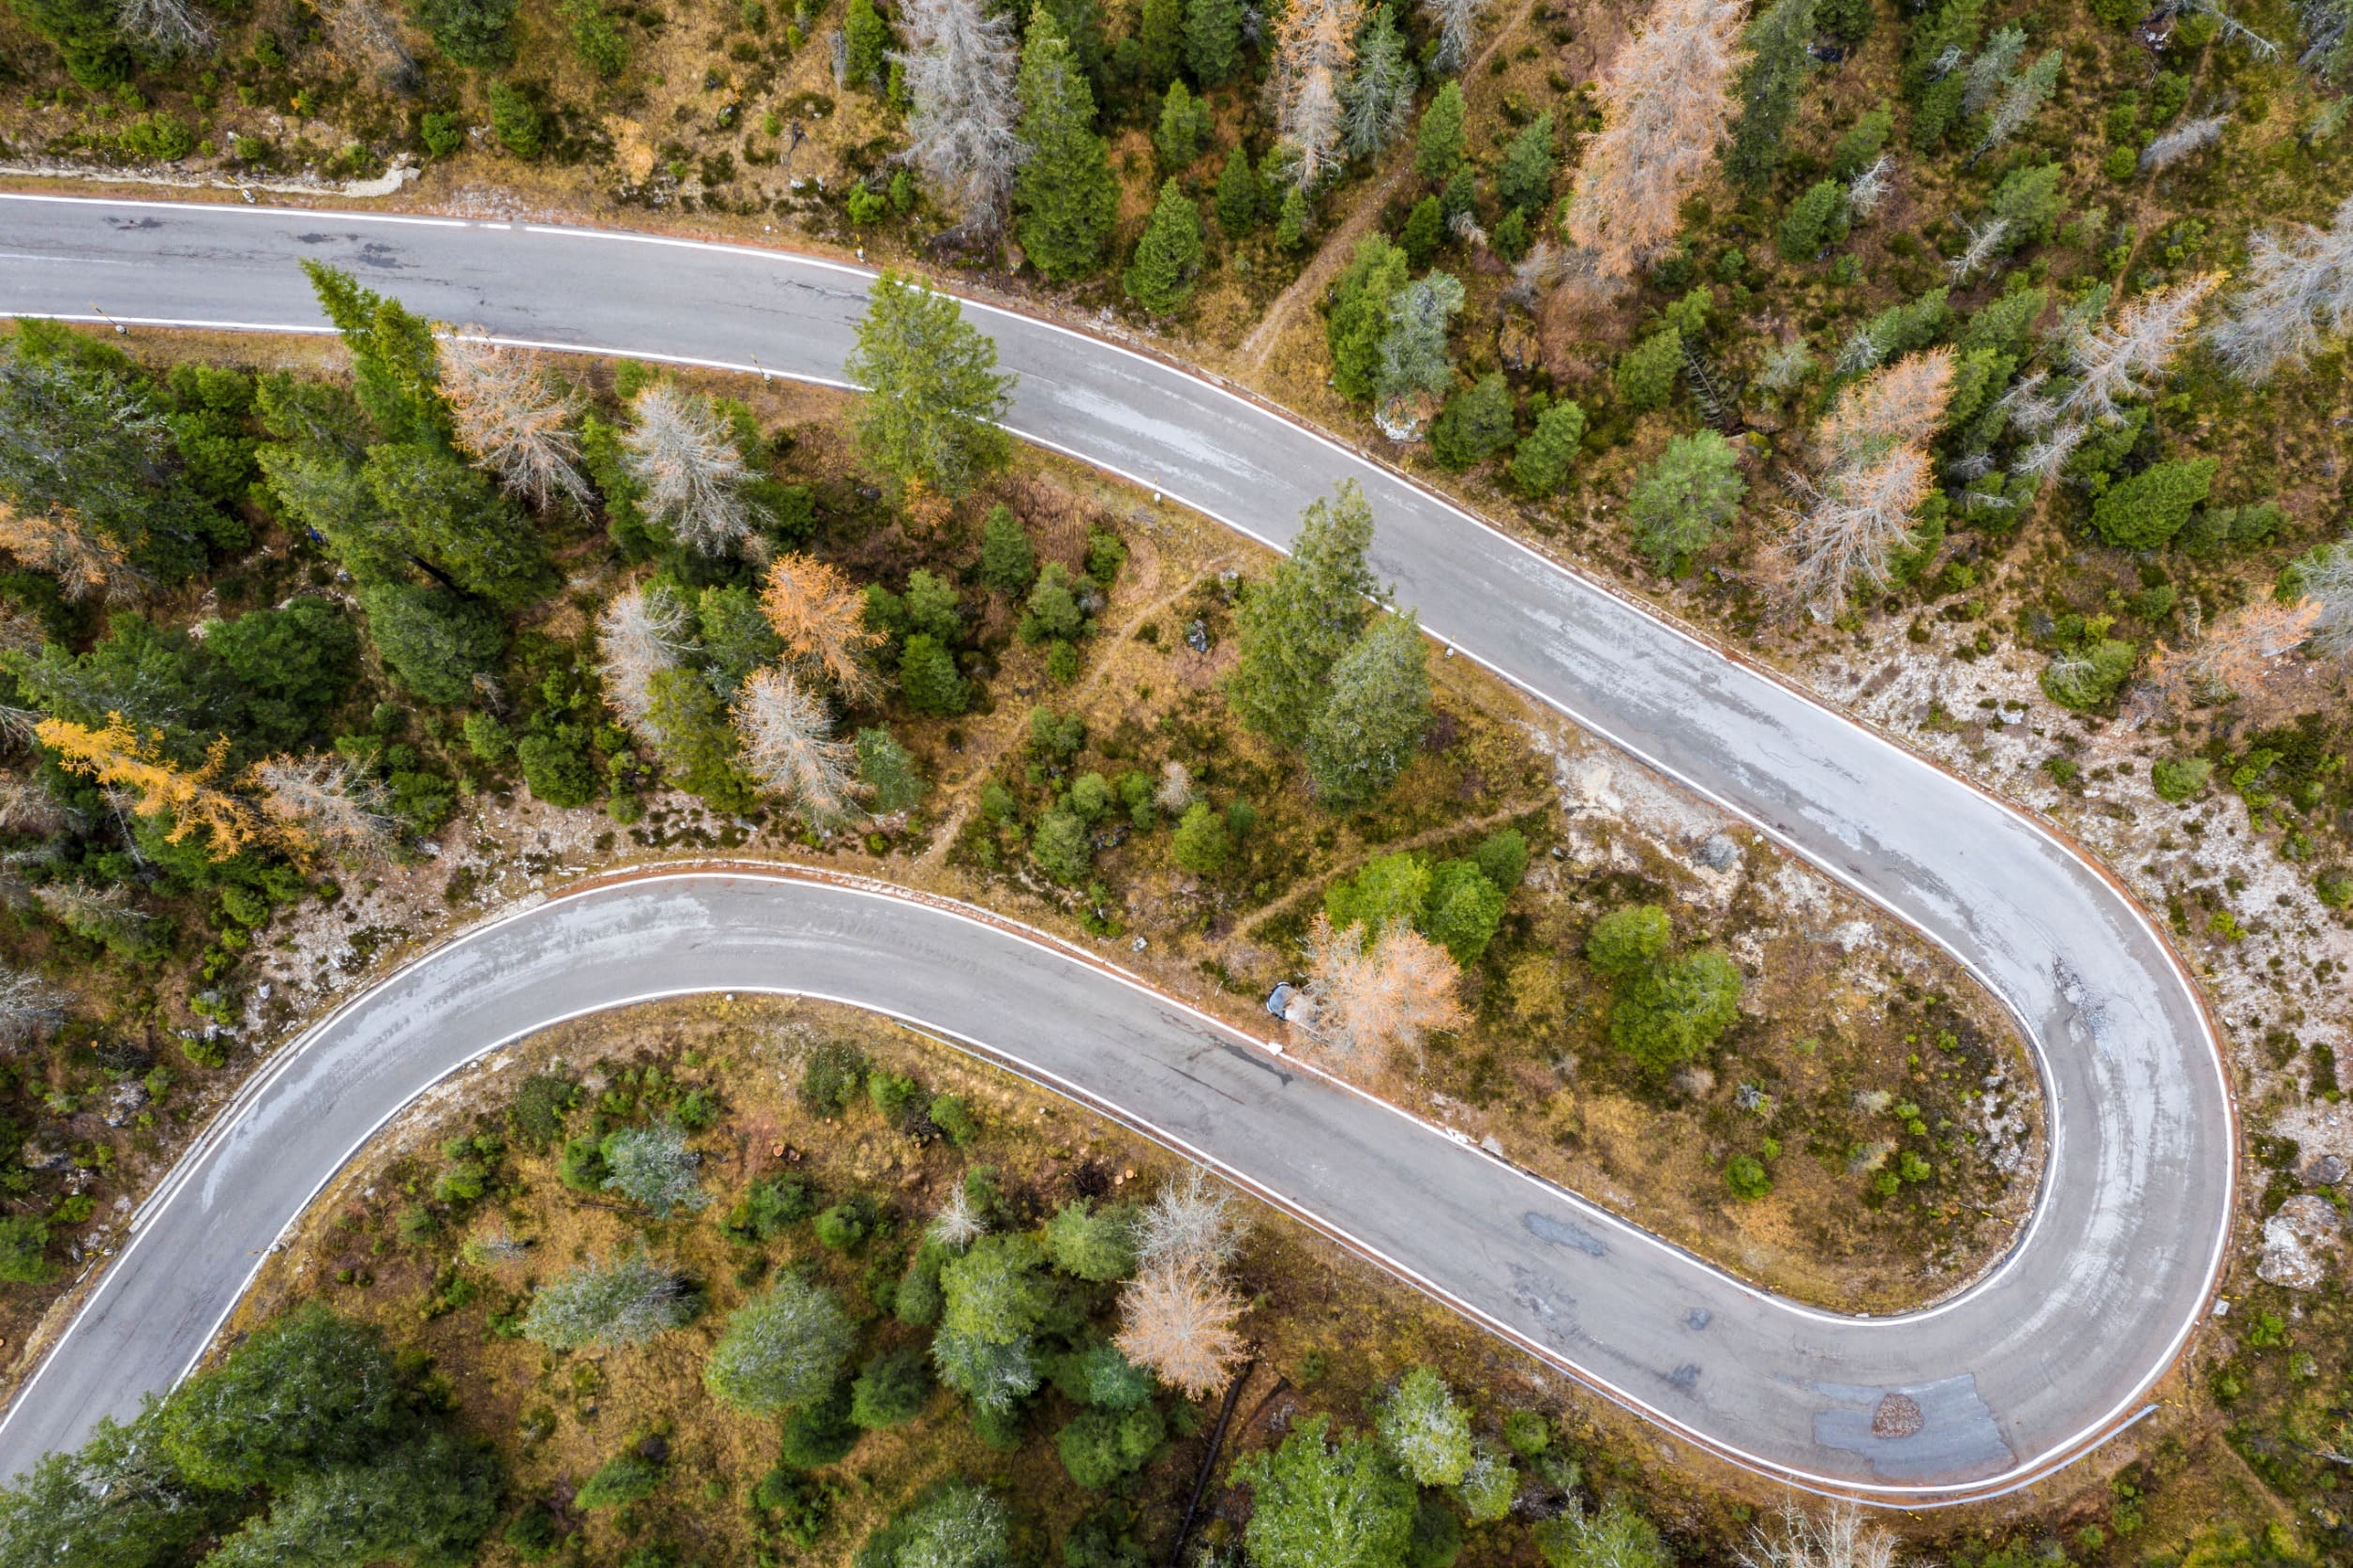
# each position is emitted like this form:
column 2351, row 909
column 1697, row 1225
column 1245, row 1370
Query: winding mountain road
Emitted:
column 2024, row 1371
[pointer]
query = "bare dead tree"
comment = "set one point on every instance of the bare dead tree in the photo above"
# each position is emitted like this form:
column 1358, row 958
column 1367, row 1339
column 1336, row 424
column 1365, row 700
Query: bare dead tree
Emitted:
column 1983, row 245
column 821, row 617
column 1869, row 187
column 2299, row 285
column 2110, row 361
column 19, row 633
column 2235, row 656
column 1839, row 1537
column 1785, row 365
column 1664, row 104
column 1191, row 1222
column 2020, row 103
column 1457, row 24
column 1315, row 51
column 88, row 910
column 1180, row 1322
column 2181, row 140
column 692, row 475
column 958, row 1222
column 367, row 33
column 1368, row 998
column 640, row 633
column 1848, row 535
column 1175, row 790
column 325, row 804
column 961, row 67
column 789, row 745
column 28, row 1005
column 164, row 30
column 510, row 418
column 2326, row 577
column 26, row 807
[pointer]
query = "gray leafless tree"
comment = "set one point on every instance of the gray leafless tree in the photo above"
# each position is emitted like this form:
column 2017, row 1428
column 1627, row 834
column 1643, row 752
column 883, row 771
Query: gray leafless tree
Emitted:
column 789, row 744
column 163, row 29
column 511, row 419
column 1457, row 24
column 693, row 477
column 640, row 633
column 324, row 803
column 2300, row 286
column 2181, row 140
column 960, row 69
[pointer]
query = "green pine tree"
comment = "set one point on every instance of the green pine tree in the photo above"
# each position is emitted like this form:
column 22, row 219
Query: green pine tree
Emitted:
column 1781, row 57
column 1296, row 621
column 1008, row 561
column 1541, row 463
column 1314, row 1505
column 1811, row 222
column 1376, row 711
column 2148, row 508
column 1437, row 147
column 1681, row 501
column 933, row 390
column 1065, row 194
column 866, row 38
column 1213, row 39
column 889, row 771
column 1160, row 279
column 1524, row 183
column 1290, row 222
column 1238, row 197
column 1646, row 372
column 1160, row 40
column 1183, row 127
column 1082, row 25
column 1424, row 232
column 1380, row 96
column 1359, row 316
column 1473, row 424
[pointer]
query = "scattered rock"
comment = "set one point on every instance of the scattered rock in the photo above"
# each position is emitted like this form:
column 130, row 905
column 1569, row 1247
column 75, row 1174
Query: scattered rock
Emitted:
column 1719, row 854
column 2325, row 1172
column 2299, row 1242
column 1897, row 1415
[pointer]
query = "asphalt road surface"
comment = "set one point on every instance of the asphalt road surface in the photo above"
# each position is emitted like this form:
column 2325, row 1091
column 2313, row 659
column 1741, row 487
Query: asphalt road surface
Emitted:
column 2024, row 1371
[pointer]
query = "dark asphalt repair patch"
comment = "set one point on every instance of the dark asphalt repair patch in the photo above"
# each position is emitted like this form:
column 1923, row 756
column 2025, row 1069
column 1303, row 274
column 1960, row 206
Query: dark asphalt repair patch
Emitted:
column 1559, row 1232
column 1916, row 1432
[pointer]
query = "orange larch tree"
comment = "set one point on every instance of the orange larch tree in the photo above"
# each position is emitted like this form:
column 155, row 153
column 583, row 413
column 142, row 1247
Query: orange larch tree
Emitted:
column 1665, row 104
column 821, row 619
column 117, row 754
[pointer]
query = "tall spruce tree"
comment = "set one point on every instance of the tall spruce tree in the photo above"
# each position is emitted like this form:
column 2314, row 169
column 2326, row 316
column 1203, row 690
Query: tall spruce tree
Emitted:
column 1359, row 317
column 1780, row 45
column 1376, row 709
column 1065, row 194
column 1380, row 96
column 1297, row 621
column 1082, row 25
column 1160, row 40
column 1213, row 39
column 933, row 390
column 1438, row 149
column 1161, row 277
column 1524, row 179
column 1239, row 201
